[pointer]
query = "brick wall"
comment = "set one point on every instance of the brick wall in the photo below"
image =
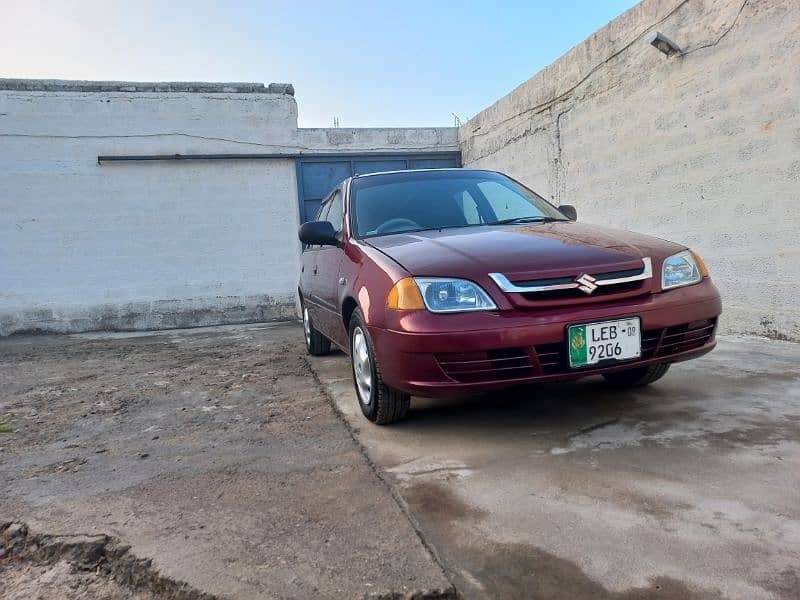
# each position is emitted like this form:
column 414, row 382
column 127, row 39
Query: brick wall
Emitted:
column 703, row 148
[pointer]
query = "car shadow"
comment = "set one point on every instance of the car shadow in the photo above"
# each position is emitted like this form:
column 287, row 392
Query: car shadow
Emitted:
column 561, row 408
column 551, row 406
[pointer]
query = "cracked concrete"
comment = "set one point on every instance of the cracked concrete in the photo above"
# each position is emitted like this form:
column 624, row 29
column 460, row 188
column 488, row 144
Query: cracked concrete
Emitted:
column 685, row 489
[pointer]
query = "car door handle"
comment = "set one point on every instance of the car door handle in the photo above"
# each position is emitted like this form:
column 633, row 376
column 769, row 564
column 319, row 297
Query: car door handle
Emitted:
column 315, row 270
column 342, row 280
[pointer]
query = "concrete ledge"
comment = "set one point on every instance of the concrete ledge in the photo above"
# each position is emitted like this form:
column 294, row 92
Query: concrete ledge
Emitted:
column 64, row 85
column 356, row 139
column 147, row 316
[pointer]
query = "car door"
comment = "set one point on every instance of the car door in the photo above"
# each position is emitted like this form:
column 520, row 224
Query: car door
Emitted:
column 309, row 279
column 328, row 265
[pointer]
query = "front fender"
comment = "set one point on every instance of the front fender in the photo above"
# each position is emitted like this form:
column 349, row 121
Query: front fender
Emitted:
column 369, row 275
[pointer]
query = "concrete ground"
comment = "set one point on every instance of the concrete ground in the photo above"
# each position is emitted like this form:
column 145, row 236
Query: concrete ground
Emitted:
column 212, row 453
column 686, row 489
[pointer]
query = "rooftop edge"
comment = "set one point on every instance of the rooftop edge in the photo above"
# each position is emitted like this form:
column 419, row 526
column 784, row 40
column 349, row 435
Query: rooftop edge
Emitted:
column 68, row 85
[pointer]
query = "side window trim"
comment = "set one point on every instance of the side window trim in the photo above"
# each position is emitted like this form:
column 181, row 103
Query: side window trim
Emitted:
column 337, row 202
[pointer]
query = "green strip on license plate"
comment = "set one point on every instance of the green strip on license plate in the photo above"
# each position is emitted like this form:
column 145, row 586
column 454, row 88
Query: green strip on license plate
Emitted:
column 577, row 345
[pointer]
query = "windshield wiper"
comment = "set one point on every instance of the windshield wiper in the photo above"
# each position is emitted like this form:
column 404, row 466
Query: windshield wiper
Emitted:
column 537, row 219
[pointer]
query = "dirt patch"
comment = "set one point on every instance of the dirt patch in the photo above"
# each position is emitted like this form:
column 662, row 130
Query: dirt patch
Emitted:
column 26, row 581
column 212, row 452
column 80, row 567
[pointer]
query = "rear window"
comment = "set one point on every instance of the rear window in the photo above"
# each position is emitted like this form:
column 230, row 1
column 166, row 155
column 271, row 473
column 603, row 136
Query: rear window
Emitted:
column 416, row 201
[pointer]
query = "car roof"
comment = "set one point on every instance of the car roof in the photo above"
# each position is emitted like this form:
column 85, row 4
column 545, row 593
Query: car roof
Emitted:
column 359, row 176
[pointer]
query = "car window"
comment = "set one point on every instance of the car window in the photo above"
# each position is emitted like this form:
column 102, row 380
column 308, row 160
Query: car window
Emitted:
column 322, row 213
column 408, row 201
column 335, row 215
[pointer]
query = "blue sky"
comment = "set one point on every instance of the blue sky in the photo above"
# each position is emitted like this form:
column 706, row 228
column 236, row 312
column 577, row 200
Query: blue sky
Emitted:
column 370, row 64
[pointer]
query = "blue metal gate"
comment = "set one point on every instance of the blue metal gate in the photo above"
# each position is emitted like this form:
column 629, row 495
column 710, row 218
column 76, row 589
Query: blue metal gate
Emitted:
column 319, row 175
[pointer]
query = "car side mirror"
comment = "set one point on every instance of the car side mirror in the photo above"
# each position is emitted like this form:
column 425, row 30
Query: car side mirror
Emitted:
column 318, row 233
column 569, row 211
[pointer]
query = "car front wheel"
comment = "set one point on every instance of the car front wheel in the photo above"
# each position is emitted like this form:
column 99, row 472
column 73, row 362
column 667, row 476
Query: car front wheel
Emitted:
column 637, row 377
column 379, row 403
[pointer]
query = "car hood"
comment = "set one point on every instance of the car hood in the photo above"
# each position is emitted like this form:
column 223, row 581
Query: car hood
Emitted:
column 529, row 250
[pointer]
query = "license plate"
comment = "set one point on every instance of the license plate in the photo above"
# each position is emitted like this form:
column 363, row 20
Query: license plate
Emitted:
column 593, row 343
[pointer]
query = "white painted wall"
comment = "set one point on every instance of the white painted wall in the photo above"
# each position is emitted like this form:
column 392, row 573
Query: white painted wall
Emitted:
column 149, row 245
column 703, row 149
column 144, row 245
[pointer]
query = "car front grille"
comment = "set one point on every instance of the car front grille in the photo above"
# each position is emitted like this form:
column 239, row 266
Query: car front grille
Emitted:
column 686, row 337
column 551, row 359
column 490, row 365
column 578, row 288
column 576, row 294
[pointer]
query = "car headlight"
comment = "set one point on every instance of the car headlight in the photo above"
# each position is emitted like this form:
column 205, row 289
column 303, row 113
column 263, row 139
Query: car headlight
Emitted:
column 442, row 295
column 683, row 268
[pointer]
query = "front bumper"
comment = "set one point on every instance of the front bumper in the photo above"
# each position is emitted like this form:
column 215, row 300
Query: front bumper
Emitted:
column 438, row 355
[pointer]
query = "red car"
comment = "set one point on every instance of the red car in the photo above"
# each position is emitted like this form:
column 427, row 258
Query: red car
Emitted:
column 444, row 281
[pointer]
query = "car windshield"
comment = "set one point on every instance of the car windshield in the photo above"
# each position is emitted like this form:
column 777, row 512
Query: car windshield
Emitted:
column 418, row 200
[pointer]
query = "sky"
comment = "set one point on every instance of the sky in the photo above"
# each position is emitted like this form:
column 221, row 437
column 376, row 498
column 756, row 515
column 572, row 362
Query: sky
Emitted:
column 369, row 64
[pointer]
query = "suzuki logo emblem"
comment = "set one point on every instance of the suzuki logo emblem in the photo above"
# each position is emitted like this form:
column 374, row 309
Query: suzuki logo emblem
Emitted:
column 586, row 283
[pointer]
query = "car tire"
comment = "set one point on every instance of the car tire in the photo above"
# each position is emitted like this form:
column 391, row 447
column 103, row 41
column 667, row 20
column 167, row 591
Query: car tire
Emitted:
column 379, row 403
column 637, row 377
column 316, row 343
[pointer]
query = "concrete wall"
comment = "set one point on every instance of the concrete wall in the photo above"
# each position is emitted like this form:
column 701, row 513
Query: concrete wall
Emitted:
column 389, row 139
column 145, row 245
column 702, row 148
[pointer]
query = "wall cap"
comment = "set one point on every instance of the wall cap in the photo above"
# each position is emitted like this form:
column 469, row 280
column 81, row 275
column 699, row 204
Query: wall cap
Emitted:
column 68, row 85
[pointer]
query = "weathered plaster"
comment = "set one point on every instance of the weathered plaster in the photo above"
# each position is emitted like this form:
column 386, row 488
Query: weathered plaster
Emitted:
column 701, row 148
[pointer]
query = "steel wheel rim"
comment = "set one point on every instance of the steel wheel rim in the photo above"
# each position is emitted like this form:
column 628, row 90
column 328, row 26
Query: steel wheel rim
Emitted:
column 362, row 366
column 306, row 326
